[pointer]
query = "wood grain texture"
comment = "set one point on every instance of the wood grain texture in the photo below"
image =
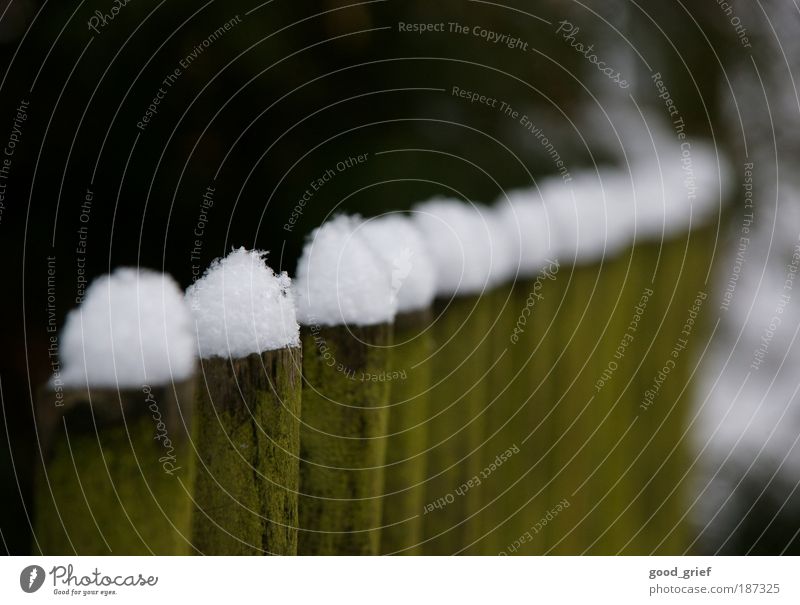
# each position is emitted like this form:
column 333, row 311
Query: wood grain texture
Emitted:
column 248, row 444
column 406, row 446
column 119, row 473
column 343, row 445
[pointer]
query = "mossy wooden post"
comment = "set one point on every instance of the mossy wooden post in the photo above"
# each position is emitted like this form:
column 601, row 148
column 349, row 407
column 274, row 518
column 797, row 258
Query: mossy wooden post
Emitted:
column 664, row 404
column 700, row 254
column 617, row 309
column 248, row 443
column 656, row 403
column 662, row 396
column 577, row 327
column 342, row 439
column 508, row 393
column 646, row 275
column 118, row 471
column 458, row 398
column 505, row 396
column 535, row 345
column 406, row 445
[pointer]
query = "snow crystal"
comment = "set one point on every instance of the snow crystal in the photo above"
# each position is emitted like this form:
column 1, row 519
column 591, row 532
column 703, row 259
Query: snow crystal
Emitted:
column 240, row 306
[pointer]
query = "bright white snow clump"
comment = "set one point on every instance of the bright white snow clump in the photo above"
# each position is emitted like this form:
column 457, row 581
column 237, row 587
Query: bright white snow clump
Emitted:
column 459, row 241
column 522, row 213
column 240, row 306
column 397, row 241
column 588, row 217
column 133, row 328
column 341, row 279
column 504, row 254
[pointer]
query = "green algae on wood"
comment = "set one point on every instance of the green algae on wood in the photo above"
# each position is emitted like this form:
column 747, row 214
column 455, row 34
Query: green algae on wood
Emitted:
column 539, row 345
column 653, row 410
column 406, row 445
column 505, row 395
column 571, row 420
column 665, row 410
column 343, row 438
column 676, row 268
column 527, row 475
column 619, row 306
column 247, row 439
column 678, row 534
column 118, row 474
column 505, row 400
column 458, row 400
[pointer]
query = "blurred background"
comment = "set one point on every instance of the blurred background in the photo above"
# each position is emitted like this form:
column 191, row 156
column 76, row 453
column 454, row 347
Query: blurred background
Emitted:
column 255, row 102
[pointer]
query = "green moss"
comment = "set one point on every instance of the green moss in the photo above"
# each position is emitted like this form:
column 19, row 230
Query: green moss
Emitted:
column 658, row 423
column 670, row 533
column 343, row 446
column 111, row 486
column 457, row 426
column 679, row 268
column 406, row 446
column 505, row 397
column 248, row 443
column 529, row 473
column 609, row 490
column 577, row 329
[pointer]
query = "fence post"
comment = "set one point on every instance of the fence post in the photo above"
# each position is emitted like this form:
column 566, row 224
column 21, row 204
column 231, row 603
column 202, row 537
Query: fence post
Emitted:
column 247, row 435
column 117, row 473
column 346, row 307
column 408, row 440
column 460, row 243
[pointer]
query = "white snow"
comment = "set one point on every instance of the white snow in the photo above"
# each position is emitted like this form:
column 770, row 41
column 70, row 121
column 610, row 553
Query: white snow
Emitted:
column 525, row 224
column 673, row 183
column 459, row 242
column 240, row 306
column 505, row 256
column 588, row 218
column 341, row 279
column 133, row 328
column 670, row 183
column 599, row 213
column 398, row 242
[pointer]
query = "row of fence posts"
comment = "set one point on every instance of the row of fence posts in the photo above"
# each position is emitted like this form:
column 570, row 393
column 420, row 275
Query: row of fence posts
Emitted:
column 506, row 415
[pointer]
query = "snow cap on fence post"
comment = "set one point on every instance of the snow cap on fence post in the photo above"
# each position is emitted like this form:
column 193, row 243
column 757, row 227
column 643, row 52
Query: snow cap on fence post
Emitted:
column 587, row 216
column 133, row 328
column 340, row 279
column 241, row 306
column 459, row 242
column 504, row 255
column 398, row 242
column 526, row 228
column 672, row 184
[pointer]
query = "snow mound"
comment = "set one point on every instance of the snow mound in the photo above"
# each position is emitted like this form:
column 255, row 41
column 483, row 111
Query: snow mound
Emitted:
column 399, row 243
column 588, row 217
column 525, row 224
column 460, row 246
column 341, row 280
column 133, row 328
column 240, row 306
